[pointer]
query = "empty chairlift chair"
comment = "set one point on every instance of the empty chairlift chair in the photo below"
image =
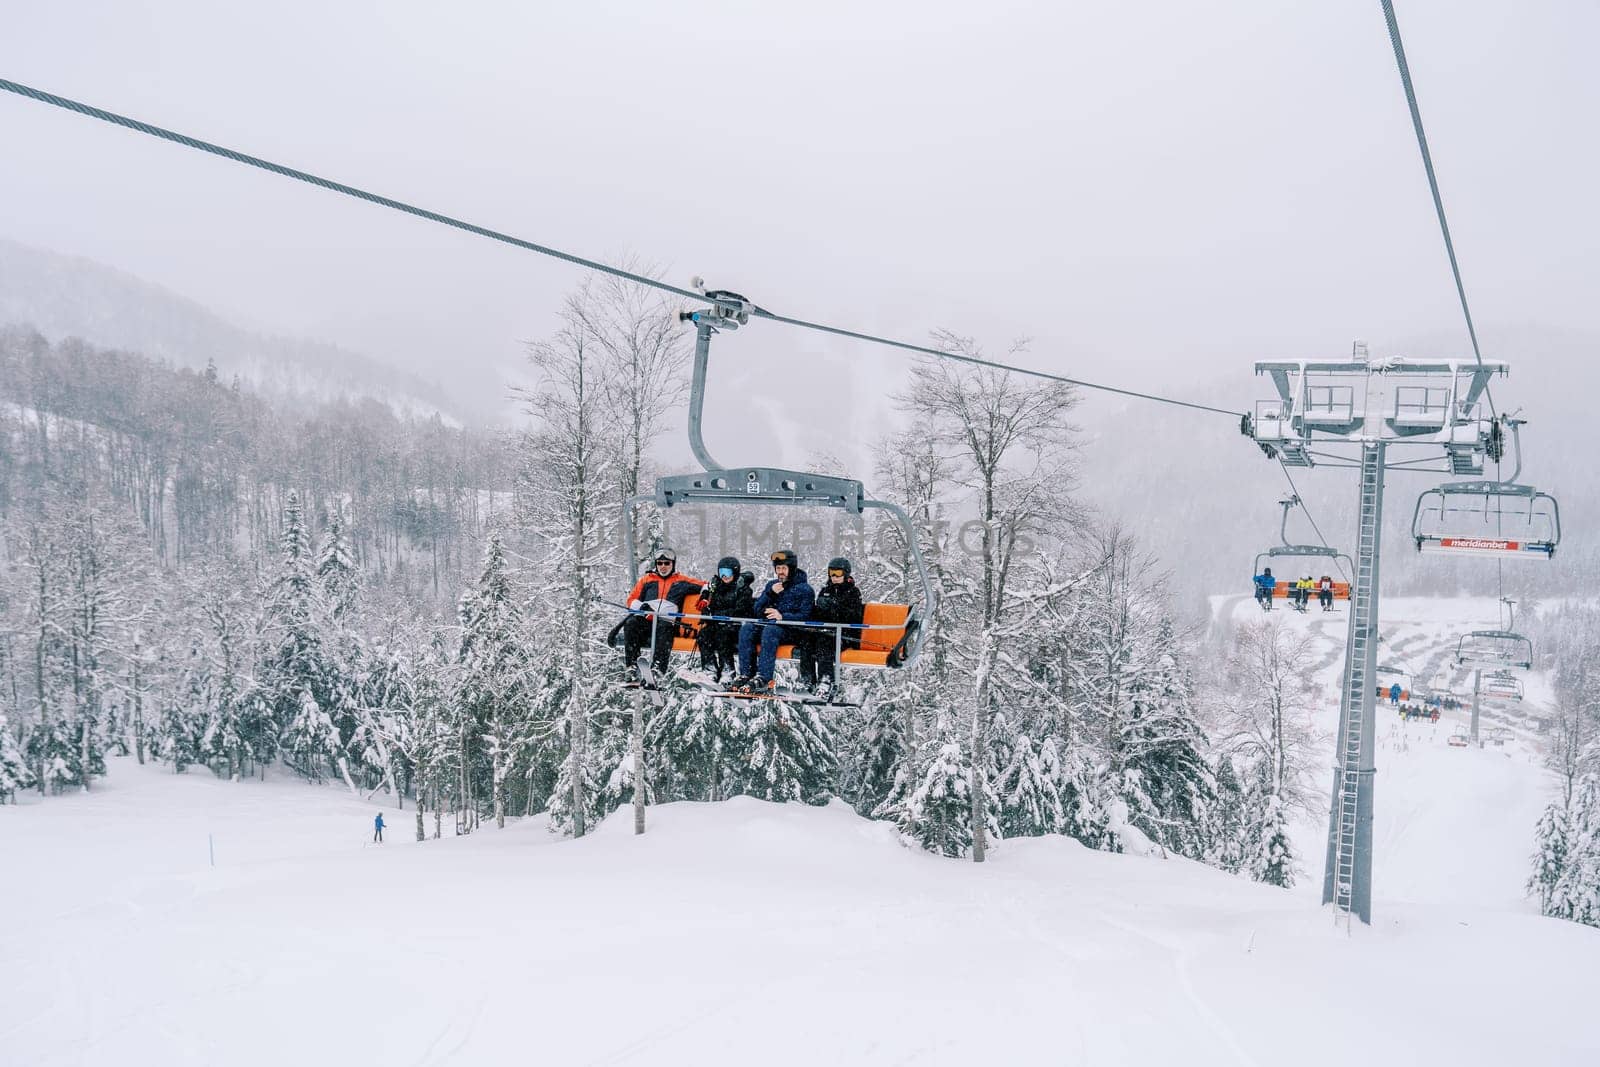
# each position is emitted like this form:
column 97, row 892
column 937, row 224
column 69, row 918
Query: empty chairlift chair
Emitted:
column 1494, row 650
column 1503, row 519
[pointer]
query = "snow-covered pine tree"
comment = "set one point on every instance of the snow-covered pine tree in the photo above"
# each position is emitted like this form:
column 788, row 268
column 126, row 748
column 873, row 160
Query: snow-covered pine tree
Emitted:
column 299, row 678
column 1549, row 858
column 228, row 695
column 310, row 739
column 181, row 713
column 15, row 774
column 93, row 605
column 1165, row 780
column 1269, row 856
column 1088, row 802
column 492, row 686
column 1576, row 895
column 434, row 747
column 787, row 752
column 337, row 570
column 885, row 745
column 1225, row 827
column 931, row 804
column 1030, row 800
column 696, row 745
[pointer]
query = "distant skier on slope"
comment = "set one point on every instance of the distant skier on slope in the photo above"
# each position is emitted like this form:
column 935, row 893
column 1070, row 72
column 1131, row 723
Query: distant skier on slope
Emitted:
column 377, row 828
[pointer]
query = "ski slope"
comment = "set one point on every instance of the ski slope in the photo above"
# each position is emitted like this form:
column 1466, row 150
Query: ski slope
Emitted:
column 746, row 932
column 1451, row 826
column 740, row 932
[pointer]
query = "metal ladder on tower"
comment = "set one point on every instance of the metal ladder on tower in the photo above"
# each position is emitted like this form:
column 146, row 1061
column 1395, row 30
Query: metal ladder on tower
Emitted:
column 1358, row 683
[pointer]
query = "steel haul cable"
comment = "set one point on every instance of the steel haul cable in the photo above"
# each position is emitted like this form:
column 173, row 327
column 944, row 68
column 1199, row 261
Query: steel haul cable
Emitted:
column 1307, row 509
column 90, row 111
column 1433, row 180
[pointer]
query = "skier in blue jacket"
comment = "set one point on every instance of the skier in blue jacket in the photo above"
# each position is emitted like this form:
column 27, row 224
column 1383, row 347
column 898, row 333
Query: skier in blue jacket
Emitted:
column 1265, row 584
column 377, row 828
column 787, row 598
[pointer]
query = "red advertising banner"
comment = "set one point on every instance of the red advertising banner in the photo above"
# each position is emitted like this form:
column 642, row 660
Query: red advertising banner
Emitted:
column 1480, row 543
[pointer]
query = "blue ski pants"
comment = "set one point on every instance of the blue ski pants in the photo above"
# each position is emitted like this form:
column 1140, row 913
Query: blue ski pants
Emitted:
column 768, row 635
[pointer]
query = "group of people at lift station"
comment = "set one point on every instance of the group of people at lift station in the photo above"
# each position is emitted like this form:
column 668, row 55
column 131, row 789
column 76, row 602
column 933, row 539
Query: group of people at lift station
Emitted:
column 1300, row 591
column 739, row 638
column 1427, row 710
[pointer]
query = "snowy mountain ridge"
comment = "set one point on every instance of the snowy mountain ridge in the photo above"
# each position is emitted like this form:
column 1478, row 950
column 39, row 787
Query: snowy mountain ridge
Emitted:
column 66, row 296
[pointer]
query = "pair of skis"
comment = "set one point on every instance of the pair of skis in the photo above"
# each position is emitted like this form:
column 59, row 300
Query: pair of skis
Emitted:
column 647, row 681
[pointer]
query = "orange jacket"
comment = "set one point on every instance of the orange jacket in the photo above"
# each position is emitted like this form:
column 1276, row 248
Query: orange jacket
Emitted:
column 653, row 591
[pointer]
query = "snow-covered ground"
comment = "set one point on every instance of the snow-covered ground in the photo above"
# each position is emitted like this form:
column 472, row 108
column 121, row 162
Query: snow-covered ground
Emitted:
column 746, row 932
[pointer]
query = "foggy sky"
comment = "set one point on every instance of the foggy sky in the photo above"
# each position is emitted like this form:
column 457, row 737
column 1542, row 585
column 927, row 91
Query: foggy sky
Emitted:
column 1155, row 193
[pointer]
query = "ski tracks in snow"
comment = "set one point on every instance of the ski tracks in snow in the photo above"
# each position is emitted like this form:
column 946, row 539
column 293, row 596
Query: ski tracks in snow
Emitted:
column 1180, row 955
column 452, row 1037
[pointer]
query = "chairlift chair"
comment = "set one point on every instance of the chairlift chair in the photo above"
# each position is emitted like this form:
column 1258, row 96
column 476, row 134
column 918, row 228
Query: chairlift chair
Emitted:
column 1285, row 550
column 1500, row 519
column 1503, row 519
column 891, row 635
column 1496, row 650
column 1502, row 686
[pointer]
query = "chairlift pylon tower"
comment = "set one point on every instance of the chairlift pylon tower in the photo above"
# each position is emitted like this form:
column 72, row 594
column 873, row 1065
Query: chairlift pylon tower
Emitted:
column 1320, row 405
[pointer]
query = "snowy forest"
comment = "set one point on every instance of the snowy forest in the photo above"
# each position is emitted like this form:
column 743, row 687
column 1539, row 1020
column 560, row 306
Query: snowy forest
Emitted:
column 198, row 575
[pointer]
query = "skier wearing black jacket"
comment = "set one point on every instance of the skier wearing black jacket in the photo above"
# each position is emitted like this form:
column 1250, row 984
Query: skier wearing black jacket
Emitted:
column 838, row 602
column 727, row 595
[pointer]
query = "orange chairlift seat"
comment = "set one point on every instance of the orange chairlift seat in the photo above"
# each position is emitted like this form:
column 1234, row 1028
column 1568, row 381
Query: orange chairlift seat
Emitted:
column 885, row 638
column 1341, row 591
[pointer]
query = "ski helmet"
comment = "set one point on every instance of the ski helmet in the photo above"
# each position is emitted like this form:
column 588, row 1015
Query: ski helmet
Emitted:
column 839, row 563
column 667, row 554
column 728, row 563
column 786, row 556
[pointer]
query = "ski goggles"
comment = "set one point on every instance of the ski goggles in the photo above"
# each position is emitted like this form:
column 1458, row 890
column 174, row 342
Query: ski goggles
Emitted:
column 724, row 572
column 835, row 572
column 668, row 560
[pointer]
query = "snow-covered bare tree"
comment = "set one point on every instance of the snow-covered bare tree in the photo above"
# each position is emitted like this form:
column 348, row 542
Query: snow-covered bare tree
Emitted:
column 1009, row 444
column 567, row 482
column 1269, row 706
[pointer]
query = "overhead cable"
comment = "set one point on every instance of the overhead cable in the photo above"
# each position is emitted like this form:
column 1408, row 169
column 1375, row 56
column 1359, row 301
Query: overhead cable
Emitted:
column 1309, row 517
column 1433, row 180
column 136, row 125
